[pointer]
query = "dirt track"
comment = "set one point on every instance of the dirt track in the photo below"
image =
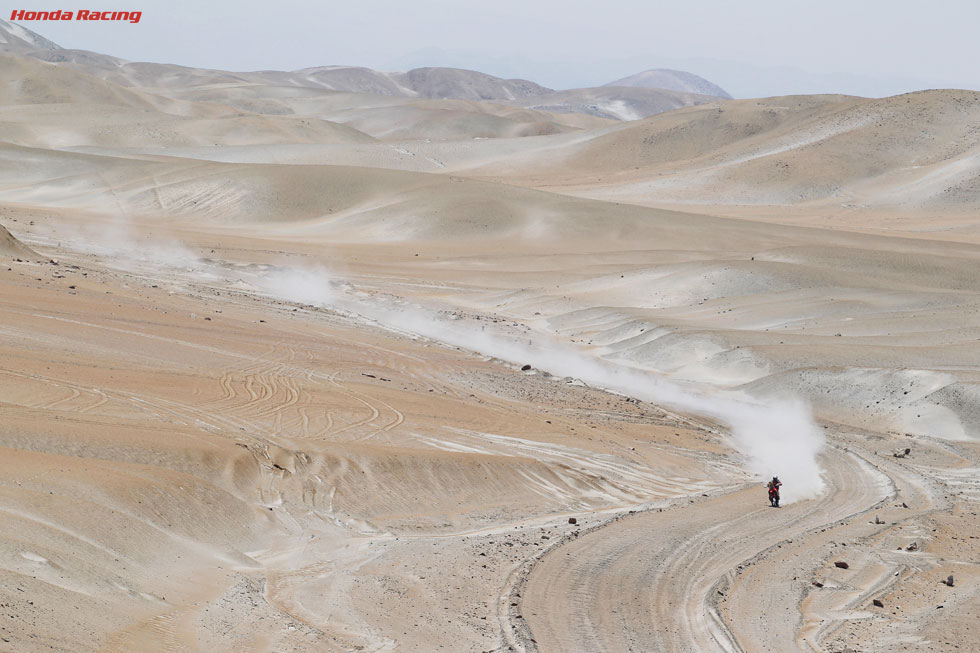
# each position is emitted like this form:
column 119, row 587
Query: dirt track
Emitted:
column 653, row 580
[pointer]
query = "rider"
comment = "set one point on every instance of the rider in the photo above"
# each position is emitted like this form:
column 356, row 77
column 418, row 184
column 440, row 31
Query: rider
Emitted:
column 774, row 485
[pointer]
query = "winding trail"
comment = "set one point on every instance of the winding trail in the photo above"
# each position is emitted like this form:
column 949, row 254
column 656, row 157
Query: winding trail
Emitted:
column 651, row 581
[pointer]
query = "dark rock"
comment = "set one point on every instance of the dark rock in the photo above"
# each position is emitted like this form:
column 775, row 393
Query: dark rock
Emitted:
column 572, row 520
column 840, row 564
column 525, row 368
column 878, row 604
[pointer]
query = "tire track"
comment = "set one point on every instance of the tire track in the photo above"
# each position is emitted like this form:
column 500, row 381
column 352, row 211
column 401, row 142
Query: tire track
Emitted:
column 646, row 582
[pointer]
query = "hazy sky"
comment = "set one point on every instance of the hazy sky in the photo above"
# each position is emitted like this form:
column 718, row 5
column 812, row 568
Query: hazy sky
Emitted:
column 750, row 47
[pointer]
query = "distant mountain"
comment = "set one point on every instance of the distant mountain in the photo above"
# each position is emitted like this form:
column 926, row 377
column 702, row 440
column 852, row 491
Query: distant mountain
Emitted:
column 672, row 80
column 19, row 40
column 431, row 83
column 460, row 84
column 309, row 90
column 612, row 102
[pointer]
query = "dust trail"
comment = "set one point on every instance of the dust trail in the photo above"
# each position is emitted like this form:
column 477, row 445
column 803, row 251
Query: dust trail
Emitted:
column 776, row 436
column 303, row 285
column 118, row 244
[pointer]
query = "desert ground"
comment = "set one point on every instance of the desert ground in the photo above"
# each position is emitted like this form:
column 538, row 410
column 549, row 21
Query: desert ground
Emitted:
column 342, row 360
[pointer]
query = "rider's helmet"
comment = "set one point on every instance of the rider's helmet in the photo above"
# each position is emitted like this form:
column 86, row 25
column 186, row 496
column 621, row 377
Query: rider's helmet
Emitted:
column 775, row 479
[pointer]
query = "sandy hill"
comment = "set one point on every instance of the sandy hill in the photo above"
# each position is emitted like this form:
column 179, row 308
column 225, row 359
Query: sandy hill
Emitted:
column 19, row 40
column 468, row 85
column 615, row 103
column 388, row 117
column 277, row 92
column 351, row 79
column 435, row 83
column 144, row 75
column 404, row 119
column 672, row 80
column 28, row 81
column 310, row 99
column 344, row 203
column 916, row 150
column 11, row 247
column 53, row 106
column 100, row 126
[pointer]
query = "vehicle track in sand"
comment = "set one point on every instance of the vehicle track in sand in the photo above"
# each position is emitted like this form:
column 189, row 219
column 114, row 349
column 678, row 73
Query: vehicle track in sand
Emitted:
column 649, row 581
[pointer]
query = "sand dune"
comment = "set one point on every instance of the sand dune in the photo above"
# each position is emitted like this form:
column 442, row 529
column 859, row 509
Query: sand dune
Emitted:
column 909, row 151
column 76, row 125
column 10, row 246
column 25, row 81
column 322, row 360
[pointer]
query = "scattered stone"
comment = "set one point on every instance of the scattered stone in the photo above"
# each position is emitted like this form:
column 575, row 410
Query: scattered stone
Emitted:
column 840, row 564
column 878, row 604
column 817, row 583
column 572, row 520
column 902, row 453
column 949, row 580
column 525, row 368
column 878, row 521
column 912, row 547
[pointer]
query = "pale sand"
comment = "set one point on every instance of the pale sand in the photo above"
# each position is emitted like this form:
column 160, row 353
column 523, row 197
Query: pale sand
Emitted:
column 198, row 457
